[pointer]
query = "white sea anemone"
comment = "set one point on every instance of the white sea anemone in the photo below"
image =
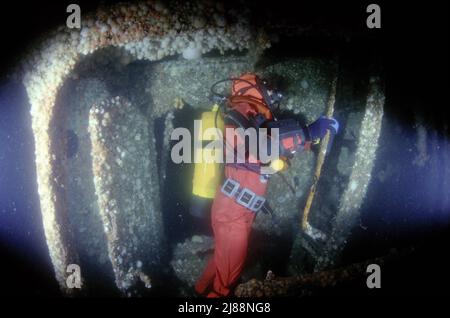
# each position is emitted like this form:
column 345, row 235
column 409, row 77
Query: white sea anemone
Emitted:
column 192, row 52
column 353, row 185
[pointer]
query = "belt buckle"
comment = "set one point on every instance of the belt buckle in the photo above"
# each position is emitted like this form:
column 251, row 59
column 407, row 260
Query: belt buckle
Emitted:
column 230, row 187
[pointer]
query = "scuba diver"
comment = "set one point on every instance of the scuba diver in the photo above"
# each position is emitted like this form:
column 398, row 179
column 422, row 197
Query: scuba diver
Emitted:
column 238, row 200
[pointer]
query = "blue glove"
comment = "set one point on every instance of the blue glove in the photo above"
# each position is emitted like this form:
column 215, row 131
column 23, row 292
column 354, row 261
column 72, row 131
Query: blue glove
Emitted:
column 318, row 129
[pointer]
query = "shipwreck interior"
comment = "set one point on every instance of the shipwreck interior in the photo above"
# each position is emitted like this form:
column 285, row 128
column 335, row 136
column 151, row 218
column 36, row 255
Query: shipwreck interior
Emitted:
column 104, row 101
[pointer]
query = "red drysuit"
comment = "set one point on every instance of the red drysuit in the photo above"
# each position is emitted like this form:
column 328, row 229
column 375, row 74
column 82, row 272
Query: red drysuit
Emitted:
column 231, row 221
column 231, row 224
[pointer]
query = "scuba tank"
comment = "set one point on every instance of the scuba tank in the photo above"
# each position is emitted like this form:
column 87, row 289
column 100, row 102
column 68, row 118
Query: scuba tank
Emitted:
column 207, row 175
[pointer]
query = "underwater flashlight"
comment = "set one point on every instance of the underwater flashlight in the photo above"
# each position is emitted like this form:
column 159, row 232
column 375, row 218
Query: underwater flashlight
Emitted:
column 277, row 164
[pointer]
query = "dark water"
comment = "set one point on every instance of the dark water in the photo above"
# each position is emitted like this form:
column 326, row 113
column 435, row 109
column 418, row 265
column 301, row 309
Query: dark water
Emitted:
column 25, row 264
